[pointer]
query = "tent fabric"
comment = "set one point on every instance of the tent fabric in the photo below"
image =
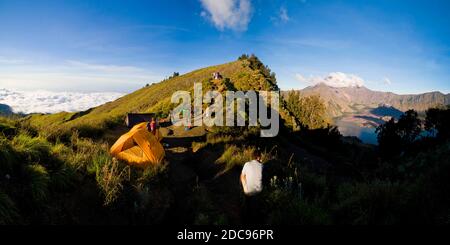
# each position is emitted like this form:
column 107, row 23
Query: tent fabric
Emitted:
column 139, row 146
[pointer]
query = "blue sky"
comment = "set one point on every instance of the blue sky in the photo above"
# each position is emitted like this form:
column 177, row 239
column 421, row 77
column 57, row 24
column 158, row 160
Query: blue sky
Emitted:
column 399, row 46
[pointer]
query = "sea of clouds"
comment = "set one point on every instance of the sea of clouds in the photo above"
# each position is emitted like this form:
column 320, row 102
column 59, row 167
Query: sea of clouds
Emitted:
column 52, row 102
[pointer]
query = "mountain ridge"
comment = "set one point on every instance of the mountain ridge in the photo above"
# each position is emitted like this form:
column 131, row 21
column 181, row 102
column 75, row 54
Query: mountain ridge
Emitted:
column 244, row 74
column 342, row 100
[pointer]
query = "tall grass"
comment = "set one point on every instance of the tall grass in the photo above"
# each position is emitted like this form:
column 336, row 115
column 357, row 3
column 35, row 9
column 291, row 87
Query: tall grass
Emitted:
column 8, row 211
column 34, row 149
column 110, row 177
column 39, row 180
column 237, row 156
column 36, row 173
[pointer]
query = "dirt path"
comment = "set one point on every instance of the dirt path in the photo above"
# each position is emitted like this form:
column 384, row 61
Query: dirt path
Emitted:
column 188, row 171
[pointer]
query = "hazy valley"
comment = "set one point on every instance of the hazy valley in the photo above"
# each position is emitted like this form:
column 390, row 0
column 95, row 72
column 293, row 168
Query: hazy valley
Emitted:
column 357, row 110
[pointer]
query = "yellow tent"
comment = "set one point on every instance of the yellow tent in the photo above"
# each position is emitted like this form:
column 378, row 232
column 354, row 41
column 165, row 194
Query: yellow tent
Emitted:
column 139, row 146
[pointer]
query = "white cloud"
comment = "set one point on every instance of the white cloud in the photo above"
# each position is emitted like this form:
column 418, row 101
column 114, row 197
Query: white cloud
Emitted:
column 10, row 61
column 52, row 102
column 387, row 81
column 103, row 68
column 231, row 14
column 283, row 15
column 301, row 78
column 334, row 79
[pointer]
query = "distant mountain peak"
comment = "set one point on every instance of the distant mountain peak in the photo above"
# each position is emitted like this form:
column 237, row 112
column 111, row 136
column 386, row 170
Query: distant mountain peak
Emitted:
column 342, row 100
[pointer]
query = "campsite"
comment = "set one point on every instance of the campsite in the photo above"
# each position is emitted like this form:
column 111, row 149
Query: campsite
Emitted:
column 238, row 114
column 107, row 166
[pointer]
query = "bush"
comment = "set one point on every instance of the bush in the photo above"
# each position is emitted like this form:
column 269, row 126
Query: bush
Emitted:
column 378, row 202
column 285, row 209
column 396, row 137
column 309, row 111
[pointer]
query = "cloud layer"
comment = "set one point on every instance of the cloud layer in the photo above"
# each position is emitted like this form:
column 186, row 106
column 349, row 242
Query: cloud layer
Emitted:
column 231, row 14
column 334, row 79
column 52, row 102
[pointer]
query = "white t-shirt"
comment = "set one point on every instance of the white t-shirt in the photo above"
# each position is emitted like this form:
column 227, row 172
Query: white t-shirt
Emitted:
column 253, row 175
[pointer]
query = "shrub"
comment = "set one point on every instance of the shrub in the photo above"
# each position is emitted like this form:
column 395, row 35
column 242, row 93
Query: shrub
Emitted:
column 204, row 211
column 283, row 208
column 309, row 111
column 378, row 202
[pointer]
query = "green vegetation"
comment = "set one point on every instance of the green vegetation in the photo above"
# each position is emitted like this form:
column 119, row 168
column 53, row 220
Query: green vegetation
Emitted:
column 393, row 137
column 44, row 182
column 155, row 98
column 56, row 169
column 310, row 111
column 437, row 120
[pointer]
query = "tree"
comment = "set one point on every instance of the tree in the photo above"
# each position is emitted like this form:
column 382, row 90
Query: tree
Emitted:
column 389, row 141
column 409, row 126
column 395, row 137
column 255, row 64
column 243, row 57
column 309, row 111
column 438, row 121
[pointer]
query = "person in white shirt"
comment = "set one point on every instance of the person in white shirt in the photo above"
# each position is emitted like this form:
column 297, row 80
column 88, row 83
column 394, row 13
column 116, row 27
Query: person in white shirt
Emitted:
column 252, row 185
column 251, row 176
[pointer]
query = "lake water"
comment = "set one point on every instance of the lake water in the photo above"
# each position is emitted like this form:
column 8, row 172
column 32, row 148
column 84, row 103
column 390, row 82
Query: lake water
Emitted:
column 366, row 135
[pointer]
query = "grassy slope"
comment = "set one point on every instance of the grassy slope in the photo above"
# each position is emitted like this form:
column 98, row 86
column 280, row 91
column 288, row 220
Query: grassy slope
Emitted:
column 329, row 193
column 153, row 98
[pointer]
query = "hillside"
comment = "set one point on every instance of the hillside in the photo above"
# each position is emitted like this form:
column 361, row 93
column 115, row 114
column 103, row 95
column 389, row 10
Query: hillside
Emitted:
column 58, row 169
column 353, row 99
column 5, row 110
column 68, row 154
column 243, row 74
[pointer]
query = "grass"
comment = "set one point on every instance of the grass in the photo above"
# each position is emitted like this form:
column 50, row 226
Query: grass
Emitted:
column 40, row 179
column 110, row 177
column 238, row 75
column 57, row 169
column 8, row 211
column 234, row 156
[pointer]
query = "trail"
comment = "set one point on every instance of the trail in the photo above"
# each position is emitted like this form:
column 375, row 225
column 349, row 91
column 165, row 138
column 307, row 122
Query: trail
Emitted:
column 188, row 171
